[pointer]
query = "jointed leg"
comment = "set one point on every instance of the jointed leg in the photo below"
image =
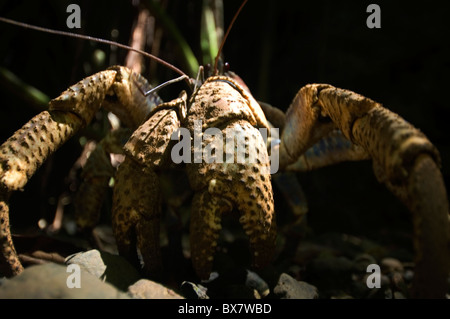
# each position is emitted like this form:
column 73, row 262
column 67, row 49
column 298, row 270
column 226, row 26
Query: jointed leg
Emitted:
column 23, row 153
column 136, row 215
column 332, row 149
column 97, row 172
column 403, row 158
column 205, row 225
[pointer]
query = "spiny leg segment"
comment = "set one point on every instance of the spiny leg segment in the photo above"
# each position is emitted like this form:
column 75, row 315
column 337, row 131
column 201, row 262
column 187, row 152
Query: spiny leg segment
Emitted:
column 403, row 159
column 24, row 152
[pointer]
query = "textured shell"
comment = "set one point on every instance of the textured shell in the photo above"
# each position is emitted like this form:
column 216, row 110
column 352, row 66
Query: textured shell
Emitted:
column 219, row 100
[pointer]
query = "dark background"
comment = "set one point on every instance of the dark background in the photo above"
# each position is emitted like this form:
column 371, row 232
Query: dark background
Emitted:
column 276, row 47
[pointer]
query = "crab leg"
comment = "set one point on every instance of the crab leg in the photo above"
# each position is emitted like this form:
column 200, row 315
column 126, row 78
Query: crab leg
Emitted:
column 136, row 214
column 403, row 159
column 23, row 153
column 137, row 195
column 332, row 149
column 97, row 172
column 234, row 184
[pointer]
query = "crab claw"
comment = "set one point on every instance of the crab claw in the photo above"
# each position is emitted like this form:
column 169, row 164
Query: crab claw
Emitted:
column 257, row 220
column 225, row 187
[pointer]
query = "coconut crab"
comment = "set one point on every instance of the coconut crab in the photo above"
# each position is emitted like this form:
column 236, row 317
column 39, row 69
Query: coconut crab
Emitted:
column 321, row 108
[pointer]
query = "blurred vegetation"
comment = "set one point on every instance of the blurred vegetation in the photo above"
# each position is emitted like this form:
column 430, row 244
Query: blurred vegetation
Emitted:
column 276, row 47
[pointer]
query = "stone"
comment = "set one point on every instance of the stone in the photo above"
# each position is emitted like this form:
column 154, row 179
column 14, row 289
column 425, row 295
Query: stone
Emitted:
column 361, row 261
column 329, row 271
column 194, row 291
column 50, row 281
column 108, row 267
column 290, row 288
column 390, row 265
column 254, row 281
column 147, row 289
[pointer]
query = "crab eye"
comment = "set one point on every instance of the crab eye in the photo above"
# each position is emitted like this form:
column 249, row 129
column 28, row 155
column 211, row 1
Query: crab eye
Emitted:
column 208, row 69
column 226, row 67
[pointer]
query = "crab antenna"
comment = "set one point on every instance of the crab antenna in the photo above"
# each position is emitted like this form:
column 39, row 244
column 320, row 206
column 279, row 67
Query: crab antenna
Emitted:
column 156, row 88
column 226, row 35
column 99, row 40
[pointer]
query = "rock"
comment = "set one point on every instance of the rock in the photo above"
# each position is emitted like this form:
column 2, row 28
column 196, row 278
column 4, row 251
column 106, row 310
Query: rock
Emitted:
column 50, row 281
column 236, row 291
column 193, row 291
column 108, row 267
column 289, row 288
column 3, row 280
column 329, row 271
column 308, row 251
column 409, row 275
column 254, row 281
column 389, row 294
column 229, row 284
column 399, row 295
column 385, row 281
column 342, row 295
column 147, row 289
column 361, row 261
column 390, row 265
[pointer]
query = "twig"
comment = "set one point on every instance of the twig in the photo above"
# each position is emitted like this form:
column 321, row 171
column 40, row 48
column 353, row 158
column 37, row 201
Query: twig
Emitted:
column 134, row 60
